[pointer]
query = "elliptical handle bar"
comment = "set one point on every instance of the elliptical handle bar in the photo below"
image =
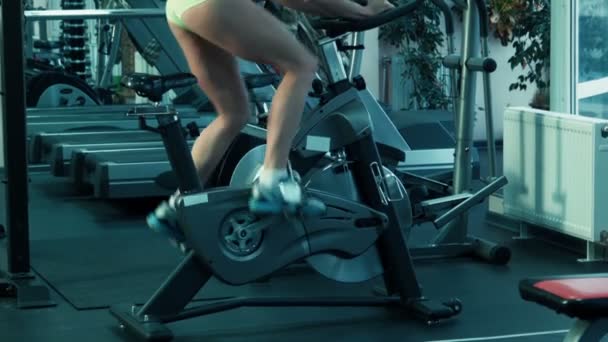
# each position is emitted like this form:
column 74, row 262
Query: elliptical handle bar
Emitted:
column 447, row 14
column 484, row 19
column 337, row 27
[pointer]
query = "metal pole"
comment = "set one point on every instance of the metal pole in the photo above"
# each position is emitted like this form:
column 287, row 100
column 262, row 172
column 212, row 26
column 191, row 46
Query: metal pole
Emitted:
column 106, row 76
column 487, row 88
column 94, row 14
column 16, row 179
column 356, row 55
column 453, row 75
column 28, row 36
column 101, row 57
column 487, row 93
column 15, row 162
column 456, row 230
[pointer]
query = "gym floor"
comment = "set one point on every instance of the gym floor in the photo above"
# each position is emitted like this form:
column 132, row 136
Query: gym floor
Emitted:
column 94, row 254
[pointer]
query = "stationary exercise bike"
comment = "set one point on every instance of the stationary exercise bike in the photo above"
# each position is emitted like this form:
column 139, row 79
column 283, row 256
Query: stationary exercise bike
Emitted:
column 227, row 242
column 343, row 93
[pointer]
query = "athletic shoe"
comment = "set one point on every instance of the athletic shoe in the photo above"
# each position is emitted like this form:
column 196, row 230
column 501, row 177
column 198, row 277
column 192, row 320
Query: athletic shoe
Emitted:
column 163, row 220
column 286, row 197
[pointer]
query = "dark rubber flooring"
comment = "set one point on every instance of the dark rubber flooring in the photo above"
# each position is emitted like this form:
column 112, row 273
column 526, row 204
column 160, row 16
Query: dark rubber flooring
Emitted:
column 94, row 254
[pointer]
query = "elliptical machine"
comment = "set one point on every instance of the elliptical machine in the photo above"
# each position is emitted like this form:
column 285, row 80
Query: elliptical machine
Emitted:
column 227, row 242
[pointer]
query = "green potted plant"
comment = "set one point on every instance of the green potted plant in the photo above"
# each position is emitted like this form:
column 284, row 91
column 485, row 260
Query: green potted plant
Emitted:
column 526, row 24
column 418, row 39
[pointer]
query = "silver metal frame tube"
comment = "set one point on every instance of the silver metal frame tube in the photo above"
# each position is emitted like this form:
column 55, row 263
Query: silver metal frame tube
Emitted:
column 487, row 92
column 106, row 76
column 356, row 56
column 456, row 230
column 94, row 14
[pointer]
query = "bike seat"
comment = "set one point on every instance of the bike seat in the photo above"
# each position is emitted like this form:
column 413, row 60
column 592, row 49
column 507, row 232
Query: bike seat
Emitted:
column 578, row 296
column 253, row 81
column 153, row 87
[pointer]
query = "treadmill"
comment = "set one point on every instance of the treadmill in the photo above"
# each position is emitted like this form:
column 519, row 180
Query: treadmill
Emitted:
column 55, row 149
column 47, row 127
column 143, row 172
column 89, row 119
column 109, row 173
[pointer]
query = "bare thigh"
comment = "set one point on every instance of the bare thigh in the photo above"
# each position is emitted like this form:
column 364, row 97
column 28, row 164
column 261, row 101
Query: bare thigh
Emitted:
column 249, row 32
column 217, row 72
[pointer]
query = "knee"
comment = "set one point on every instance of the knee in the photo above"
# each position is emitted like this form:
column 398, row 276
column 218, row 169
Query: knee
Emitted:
column 233, row 111
column 305, row 65
column 233, row 123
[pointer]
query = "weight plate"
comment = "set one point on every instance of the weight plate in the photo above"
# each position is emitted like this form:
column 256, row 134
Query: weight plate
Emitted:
column 57, row 89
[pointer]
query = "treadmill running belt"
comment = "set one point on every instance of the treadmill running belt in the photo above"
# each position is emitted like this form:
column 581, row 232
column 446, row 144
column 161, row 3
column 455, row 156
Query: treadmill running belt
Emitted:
column 124, row 173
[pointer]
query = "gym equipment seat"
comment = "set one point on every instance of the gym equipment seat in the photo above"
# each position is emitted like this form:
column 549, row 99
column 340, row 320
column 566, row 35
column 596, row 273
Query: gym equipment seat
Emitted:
column 583, row 297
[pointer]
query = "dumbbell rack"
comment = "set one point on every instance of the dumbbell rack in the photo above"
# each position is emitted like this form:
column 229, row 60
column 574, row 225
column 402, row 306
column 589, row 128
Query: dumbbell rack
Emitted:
column 74, row 36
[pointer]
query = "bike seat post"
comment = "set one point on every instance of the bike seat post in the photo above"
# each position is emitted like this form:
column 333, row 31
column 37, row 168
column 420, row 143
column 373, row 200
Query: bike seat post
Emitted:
column 172, row 132
column 153, row 87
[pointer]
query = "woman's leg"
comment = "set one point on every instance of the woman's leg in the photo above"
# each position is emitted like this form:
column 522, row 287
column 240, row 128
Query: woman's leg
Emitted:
column 218, row 75
column 247, row 31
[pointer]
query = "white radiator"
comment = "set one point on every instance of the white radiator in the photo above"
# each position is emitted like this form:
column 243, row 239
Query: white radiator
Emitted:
column 557, row 168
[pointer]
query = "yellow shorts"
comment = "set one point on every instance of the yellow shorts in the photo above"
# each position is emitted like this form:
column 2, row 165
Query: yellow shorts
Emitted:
column 176, row 8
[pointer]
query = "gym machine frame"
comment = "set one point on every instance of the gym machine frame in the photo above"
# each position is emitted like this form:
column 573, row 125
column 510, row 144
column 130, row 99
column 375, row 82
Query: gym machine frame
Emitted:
column 19, row 281
column 453, row 239
column 438, row 161
column 579, row 296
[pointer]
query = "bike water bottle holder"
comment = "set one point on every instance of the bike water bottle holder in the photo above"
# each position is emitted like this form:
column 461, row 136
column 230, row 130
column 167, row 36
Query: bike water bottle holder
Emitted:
column 383, row 184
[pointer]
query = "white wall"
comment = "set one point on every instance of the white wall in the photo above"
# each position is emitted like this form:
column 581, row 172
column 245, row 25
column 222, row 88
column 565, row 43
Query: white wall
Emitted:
column 370, row 66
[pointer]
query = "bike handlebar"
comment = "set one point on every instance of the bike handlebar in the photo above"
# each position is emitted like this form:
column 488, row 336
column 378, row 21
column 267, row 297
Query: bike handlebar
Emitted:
column 337, row 27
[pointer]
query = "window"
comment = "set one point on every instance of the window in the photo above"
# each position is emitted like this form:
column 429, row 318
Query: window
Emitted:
column 592, row 58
